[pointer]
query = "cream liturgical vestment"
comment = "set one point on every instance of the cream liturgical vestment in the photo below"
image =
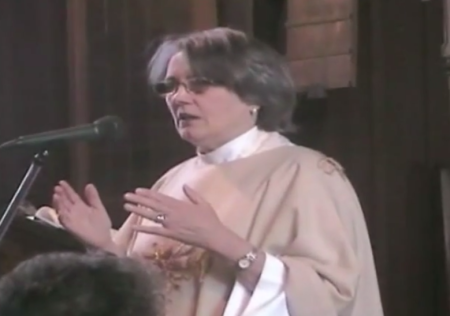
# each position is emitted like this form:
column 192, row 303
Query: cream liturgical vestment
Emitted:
column 290, row 201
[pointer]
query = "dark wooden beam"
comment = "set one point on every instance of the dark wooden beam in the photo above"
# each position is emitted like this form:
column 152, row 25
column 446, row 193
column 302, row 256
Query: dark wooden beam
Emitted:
column 78, row 86
column 237, row 14
column 203, row 14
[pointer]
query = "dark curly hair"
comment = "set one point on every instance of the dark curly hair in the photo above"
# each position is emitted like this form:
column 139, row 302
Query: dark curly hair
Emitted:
column 70, row 284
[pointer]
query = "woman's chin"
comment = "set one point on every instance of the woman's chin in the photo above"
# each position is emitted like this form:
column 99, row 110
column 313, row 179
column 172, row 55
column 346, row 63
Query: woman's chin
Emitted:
column 189, row 134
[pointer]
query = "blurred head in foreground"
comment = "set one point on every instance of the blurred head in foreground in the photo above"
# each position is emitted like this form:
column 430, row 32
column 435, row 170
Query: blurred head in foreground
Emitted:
column 70, row 284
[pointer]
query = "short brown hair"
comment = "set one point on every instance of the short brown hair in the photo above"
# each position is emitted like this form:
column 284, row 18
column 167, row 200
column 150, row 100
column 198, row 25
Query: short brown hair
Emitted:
column 244, row 65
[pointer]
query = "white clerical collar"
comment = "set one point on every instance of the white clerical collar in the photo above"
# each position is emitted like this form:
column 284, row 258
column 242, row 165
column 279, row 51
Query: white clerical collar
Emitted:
column 231, row 150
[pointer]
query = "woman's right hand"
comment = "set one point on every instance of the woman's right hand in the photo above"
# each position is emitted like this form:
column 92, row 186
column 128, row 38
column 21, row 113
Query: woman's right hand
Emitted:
column 88, row 220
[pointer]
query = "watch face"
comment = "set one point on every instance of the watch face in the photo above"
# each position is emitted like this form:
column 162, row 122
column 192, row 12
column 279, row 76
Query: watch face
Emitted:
column 244, row 263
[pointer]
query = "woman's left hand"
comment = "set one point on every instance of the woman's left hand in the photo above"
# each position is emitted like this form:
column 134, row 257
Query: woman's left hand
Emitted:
column 194, row 222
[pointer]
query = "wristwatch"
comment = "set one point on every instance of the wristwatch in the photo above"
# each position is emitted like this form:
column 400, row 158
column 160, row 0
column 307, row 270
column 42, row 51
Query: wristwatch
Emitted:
column 246, row 261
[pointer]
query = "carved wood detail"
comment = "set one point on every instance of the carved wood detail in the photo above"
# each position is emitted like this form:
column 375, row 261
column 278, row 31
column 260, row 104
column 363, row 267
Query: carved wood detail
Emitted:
column 321, row 42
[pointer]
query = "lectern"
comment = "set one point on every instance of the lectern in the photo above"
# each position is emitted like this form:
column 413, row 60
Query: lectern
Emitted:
column 27, row 238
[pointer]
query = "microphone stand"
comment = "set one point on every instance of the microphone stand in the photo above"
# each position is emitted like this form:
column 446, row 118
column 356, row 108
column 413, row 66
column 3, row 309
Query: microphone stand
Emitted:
column 22, row 191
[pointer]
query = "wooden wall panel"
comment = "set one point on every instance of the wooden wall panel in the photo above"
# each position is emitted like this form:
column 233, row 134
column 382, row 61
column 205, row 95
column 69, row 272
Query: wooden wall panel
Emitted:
column 321, row 42
column 33, row 98
column 238, row 14
column 33, row 89
column 203, row 14
column 76, row 34
column 390, row 132
column 401, row 150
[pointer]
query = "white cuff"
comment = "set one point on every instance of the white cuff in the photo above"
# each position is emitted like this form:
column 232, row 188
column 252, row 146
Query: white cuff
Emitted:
column 268, row 297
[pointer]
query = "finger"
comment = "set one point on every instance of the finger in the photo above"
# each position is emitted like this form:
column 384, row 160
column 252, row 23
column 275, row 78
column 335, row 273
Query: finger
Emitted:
column 141, row 211
column 154, row 230
column 159, row 197
column 62, row 204
column 70, row 192
column 64, row 220
column 136, row 198
column 93, row 197
column 55, row 201
column 61, row 195
column 59, row 190
column 147, row 202
column 67, row 222
column 193, row 195
column 143, row 191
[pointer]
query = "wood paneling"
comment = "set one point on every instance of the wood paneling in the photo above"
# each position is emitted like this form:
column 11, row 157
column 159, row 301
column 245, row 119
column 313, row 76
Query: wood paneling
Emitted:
column 33, row 98
column 321, row 42
column 78, row 86
column 390, row 132
column 203, row 14
column 237, row 14
column 33, row 89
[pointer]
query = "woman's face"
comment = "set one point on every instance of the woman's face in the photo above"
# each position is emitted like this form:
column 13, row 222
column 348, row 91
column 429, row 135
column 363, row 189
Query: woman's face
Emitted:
column 205, row 115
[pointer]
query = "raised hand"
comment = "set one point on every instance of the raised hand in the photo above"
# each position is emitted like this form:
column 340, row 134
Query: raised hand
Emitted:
column 192, row 222
column 87, row 219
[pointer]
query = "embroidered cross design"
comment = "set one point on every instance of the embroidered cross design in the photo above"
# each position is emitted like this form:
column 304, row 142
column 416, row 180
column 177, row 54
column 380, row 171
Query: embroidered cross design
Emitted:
column 329, row 166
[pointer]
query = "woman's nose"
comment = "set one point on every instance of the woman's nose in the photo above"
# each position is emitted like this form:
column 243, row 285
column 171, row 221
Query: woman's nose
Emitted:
column 180, row 95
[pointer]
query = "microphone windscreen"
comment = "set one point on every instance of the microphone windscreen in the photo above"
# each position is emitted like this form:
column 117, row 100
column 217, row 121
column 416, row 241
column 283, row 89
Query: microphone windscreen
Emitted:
column 110, row 127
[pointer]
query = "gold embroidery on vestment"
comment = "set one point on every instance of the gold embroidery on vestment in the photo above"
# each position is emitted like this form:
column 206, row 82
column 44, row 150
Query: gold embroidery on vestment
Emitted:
column 180, row 263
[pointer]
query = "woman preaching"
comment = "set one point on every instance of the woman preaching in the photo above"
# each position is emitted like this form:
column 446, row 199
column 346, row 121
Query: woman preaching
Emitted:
column 252, row 224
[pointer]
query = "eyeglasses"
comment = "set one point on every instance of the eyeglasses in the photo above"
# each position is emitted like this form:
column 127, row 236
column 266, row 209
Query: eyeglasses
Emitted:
column 194, row 84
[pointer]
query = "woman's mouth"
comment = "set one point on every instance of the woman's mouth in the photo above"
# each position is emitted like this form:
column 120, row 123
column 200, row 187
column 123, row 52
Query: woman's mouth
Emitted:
column 186, row 118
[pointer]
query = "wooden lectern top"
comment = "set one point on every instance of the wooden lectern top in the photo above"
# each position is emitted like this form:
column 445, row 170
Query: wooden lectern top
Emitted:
column 27, row 238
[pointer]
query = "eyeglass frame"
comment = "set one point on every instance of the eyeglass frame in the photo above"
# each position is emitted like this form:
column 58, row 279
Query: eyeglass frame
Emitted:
column 185, row 84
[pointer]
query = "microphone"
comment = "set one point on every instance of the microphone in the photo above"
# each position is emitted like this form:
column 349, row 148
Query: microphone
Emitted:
column 107, row 127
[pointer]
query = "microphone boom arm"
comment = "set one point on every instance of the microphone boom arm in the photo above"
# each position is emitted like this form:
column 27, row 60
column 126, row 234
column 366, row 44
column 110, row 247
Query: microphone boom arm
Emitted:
column 22, row 191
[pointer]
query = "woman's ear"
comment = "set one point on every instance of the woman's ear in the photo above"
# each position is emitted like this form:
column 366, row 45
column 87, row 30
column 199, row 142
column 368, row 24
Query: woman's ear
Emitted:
column 254, row 110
